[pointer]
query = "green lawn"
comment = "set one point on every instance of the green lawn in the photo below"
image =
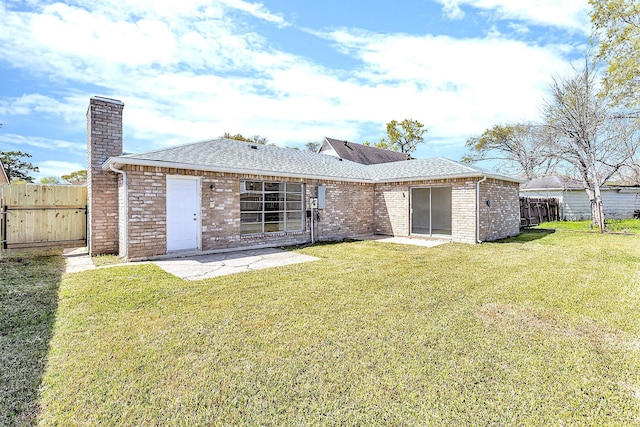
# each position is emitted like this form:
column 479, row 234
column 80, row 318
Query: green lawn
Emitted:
column 28, row 300
column 628, row 226
column 542, row 329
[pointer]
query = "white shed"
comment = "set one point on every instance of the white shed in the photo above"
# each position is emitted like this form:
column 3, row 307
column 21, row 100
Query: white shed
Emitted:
column 619, row 202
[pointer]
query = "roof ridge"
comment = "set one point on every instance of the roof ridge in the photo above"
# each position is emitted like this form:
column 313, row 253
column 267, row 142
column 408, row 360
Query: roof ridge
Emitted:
column 186, row 144
column 364, row 145
column 229, row 156
column 473, row 168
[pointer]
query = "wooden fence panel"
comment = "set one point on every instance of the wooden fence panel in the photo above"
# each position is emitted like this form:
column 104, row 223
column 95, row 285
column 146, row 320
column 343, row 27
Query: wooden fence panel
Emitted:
column 43, row 215
column 534, row 211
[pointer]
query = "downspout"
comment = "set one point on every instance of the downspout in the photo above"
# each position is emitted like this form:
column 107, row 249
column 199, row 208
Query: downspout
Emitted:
column 313, row 240
column 125, row 204
column 478, row 209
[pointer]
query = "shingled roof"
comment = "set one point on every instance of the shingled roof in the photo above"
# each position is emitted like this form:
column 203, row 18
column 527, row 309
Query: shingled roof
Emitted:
column 363, row 154
column 224, row 155
column 553, row 182
column 4, row 179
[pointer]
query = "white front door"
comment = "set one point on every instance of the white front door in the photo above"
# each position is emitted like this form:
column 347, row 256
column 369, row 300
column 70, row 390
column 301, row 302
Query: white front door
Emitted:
column 183, row 213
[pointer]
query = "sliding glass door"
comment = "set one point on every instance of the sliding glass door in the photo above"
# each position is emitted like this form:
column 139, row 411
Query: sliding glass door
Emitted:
column 431, row 211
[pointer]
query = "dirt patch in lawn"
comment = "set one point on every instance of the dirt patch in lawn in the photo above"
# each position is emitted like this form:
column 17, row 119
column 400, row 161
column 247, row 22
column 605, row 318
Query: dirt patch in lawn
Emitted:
column 514, row 318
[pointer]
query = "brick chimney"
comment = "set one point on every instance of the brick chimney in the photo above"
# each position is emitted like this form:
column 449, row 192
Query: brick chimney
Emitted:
column 104, row 140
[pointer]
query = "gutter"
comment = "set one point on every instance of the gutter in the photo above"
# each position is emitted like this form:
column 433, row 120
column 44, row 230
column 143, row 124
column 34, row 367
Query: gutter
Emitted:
column 188, row 166
column 119, row 161
column 125, row 204
column 484, row 178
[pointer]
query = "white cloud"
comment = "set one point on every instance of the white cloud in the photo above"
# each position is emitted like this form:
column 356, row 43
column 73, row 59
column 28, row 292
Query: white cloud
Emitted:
column 35, row 103
column 568, row 14
column 15, row 142
column 78, row 32
column 56, row 168
column 455, row 86
column 186, row 72
column 452, row 9
column 257, row 10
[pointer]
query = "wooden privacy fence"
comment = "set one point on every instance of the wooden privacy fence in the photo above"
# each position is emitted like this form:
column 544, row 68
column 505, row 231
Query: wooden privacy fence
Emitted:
column 534, row 211
column 43, row 215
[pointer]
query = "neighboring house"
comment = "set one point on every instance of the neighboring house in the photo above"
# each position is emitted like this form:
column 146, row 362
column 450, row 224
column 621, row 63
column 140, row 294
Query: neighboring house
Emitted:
column 619, row 202
column 4, row 179
column 359, row 153
column 225, row 194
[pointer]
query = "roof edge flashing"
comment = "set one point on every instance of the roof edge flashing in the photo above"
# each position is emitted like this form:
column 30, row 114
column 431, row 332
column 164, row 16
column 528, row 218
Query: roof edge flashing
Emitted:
column 118, row 162
column 105, row 99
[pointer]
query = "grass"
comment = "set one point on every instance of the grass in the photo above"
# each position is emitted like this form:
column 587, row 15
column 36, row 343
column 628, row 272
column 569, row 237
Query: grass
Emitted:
column 106, row 260
column 627, row 226
column 28, row 302
column 535, row 330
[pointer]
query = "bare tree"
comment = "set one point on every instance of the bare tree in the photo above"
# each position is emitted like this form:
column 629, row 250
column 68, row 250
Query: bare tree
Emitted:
column 517, row 148
column 313, row 146
column 584, row 132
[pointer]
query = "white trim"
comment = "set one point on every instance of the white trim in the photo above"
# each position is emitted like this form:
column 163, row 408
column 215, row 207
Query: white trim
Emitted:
column 125, row 211
column 478, row 208
column 119, row 161
column 605, row 188
column 3, row 174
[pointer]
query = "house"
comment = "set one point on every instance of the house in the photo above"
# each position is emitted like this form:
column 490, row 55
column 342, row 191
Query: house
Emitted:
column 619, row 202
column 226, row 195
column 4, row 179
column 359, row 153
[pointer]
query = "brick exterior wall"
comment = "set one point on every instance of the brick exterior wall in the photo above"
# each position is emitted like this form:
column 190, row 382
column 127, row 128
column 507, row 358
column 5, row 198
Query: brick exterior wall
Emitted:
column 352, row 209
column 104, row 140
column 463, row 211
column 502, row 218
column 146, row 206
column 348, row 213
column 391, row 209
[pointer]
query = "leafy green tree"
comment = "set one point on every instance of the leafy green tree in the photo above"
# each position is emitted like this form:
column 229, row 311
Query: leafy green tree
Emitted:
column 77, row 177
column 616, row 28
column 517, row 149
column 51, row 180
column 383, row 143
column 403, row 136
column 15, row 167
column 256, row 139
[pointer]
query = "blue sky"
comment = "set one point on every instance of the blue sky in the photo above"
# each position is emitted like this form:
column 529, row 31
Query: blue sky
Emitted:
column 292, row 71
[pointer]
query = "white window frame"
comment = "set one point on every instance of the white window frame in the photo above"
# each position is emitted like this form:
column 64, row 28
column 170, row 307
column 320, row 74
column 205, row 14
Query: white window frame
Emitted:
column 263, row 211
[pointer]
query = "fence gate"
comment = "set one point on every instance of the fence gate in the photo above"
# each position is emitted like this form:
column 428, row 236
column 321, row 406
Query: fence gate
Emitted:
column 43, row 215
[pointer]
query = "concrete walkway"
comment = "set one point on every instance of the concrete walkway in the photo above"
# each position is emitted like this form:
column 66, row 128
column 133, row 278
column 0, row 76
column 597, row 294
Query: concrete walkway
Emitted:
column 77, row 260
column 200, row 267
column 426, row 242
column 206, row 266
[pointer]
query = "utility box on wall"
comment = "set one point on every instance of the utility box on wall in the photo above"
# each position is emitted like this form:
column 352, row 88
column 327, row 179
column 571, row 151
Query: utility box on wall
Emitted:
column 321, row 195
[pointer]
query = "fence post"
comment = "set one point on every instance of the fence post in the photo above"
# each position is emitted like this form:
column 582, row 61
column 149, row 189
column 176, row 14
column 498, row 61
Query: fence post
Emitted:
column 3, row 231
